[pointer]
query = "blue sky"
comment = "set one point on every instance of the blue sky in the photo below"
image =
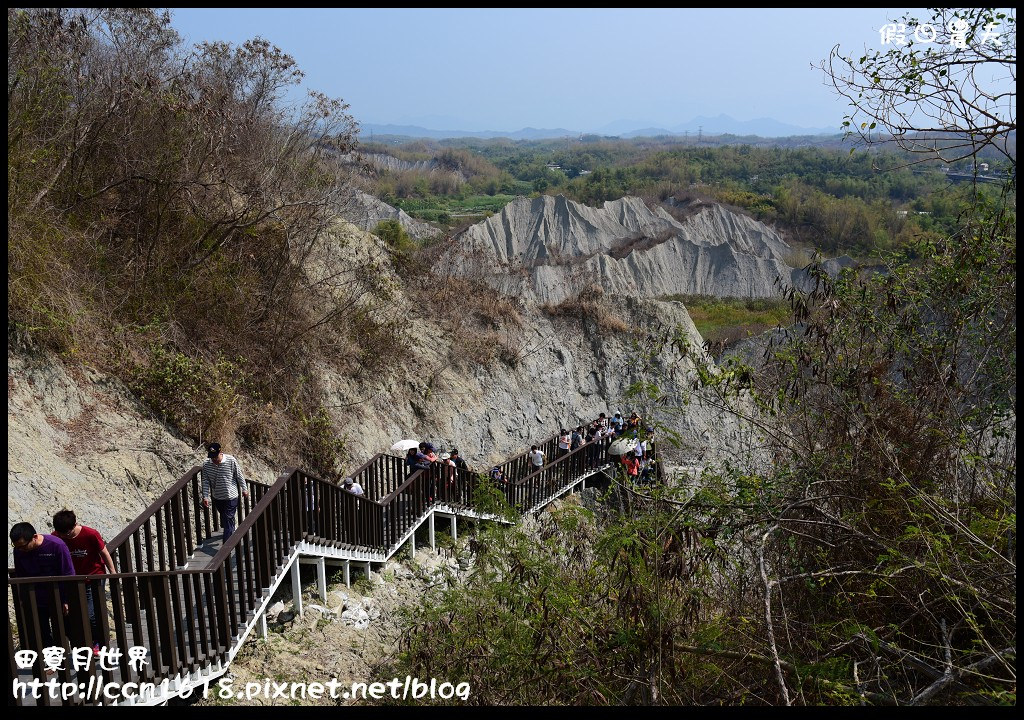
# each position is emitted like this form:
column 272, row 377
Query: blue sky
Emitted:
column 505, row 69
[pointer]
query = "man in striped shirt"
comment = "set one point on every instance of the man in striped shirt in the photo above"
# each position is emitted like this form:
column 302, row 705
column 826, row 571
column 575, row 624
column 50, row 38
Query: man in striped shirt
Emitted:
column 222, row 473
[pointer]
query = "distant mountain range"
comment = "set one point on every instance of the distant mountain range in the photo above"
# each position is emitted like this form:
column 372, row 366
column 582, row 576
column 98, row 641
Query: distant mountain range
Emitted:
column 421, row 132
column 720, row 125
column 725, row 125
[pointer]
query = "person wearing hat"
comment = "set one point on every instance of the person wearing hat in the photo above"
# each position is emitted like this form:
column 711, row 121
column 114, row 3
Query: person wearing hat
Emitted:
column 447, row 466
column 498, row 476
column 223, row 478
column 353, row 487
column 617, row 423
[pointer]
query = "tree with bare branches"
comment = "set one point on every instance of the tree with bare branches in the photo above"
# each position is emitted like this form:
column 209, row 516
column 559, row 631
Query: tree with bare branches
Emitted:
column 945, row 88
column 166, row 206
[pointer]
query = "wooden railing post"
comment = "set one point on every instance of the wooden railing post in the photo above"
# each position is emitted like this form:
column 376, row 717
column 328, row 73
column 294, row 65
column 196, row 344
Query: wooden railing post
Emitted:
column 164, row 619
column 222, row 602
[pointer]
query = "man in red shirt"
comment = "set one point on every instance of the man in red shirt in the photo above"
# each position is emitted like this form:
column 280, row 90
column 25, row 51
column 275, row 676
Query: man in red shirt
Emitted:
column 90, row 556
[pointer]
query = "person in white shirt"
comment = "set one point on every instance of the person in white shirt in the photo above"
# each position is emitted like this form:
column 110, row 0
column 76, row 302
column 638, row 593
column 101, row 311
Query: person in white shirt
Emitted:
column 563, row 442
column 641, row 450
column 536, row 456
column 353, row 487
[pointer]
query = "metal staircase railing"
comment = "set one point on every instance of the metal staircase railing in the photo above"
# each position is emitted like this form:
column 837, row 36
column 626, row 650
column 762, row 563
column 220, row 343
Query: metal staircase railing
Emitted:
column 186, row 600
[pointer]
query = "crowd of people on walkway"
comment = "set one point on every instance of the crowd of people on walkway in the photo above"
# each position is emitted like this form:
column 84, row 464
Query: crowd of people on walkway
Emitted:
column 636, row 461
column 425, row 457
column 638, row 437
column 76, row 549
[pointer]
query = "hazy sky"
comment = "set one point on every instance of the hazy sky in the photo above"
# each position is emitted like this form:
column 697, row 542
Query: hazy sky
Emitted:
column 505, row 69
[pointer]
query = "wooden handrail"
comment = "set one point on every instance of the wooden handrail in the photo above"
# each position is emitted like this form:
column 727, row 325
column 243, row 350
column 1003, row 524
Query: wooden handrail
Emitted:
column 365, row 465
column 585, row 446
column 187, row 616
column 408, row 481
column 153, row 508
column 328, row 484
column 236, row 537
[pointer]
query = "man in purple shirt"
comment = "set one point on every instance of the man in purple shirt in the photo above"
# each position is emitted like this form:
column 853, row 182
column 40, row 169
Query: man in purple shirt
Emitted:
column 38, row 555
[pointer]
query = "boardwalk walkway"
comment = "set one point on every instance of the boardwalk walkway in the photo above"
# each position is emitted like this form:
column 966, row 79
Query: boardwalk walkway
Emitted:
column 191, row 601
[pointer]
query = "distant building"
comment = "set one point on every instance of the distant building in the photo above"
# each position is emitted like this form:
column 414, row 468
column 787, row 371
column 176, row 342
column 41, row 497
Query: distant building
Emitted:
column 585, row 172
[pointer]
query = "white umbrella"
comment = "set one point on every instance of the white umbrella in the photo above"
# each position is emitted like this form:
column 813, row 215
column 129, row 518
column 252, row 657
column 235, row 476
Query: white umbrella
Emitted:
column 402, row 446
column 622, row 446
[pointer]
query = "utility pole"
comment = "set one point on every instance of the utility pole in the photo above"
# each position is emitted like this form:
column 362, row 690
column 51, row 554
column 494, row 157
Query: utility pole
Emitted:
column 700, row 134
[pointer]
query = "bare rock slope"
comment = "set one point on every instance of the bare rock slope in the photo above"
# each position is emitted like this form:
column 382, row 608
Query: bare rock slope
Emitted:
column 365, row 211
column 79, row 439
column 550, row 248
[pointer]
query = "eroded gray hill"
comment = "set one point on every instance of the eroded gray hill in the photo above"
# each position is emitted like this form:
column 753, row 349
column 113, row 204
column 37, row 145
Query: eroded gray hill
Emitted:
column 389, row 163
column 548, row 249
column 365, row 211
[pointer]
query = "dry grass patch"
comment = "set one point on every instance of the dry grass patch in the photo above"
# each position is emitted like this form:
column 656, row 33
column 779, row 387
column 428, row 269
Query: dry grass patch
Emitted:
column 589, row 305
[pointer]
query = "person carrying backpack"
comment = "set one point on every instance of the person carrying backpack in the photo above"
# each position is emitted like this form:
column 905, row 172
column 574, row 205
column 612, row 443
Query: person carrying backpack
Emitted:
column 497, row 476
column 576, row 440
column 458, row 460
